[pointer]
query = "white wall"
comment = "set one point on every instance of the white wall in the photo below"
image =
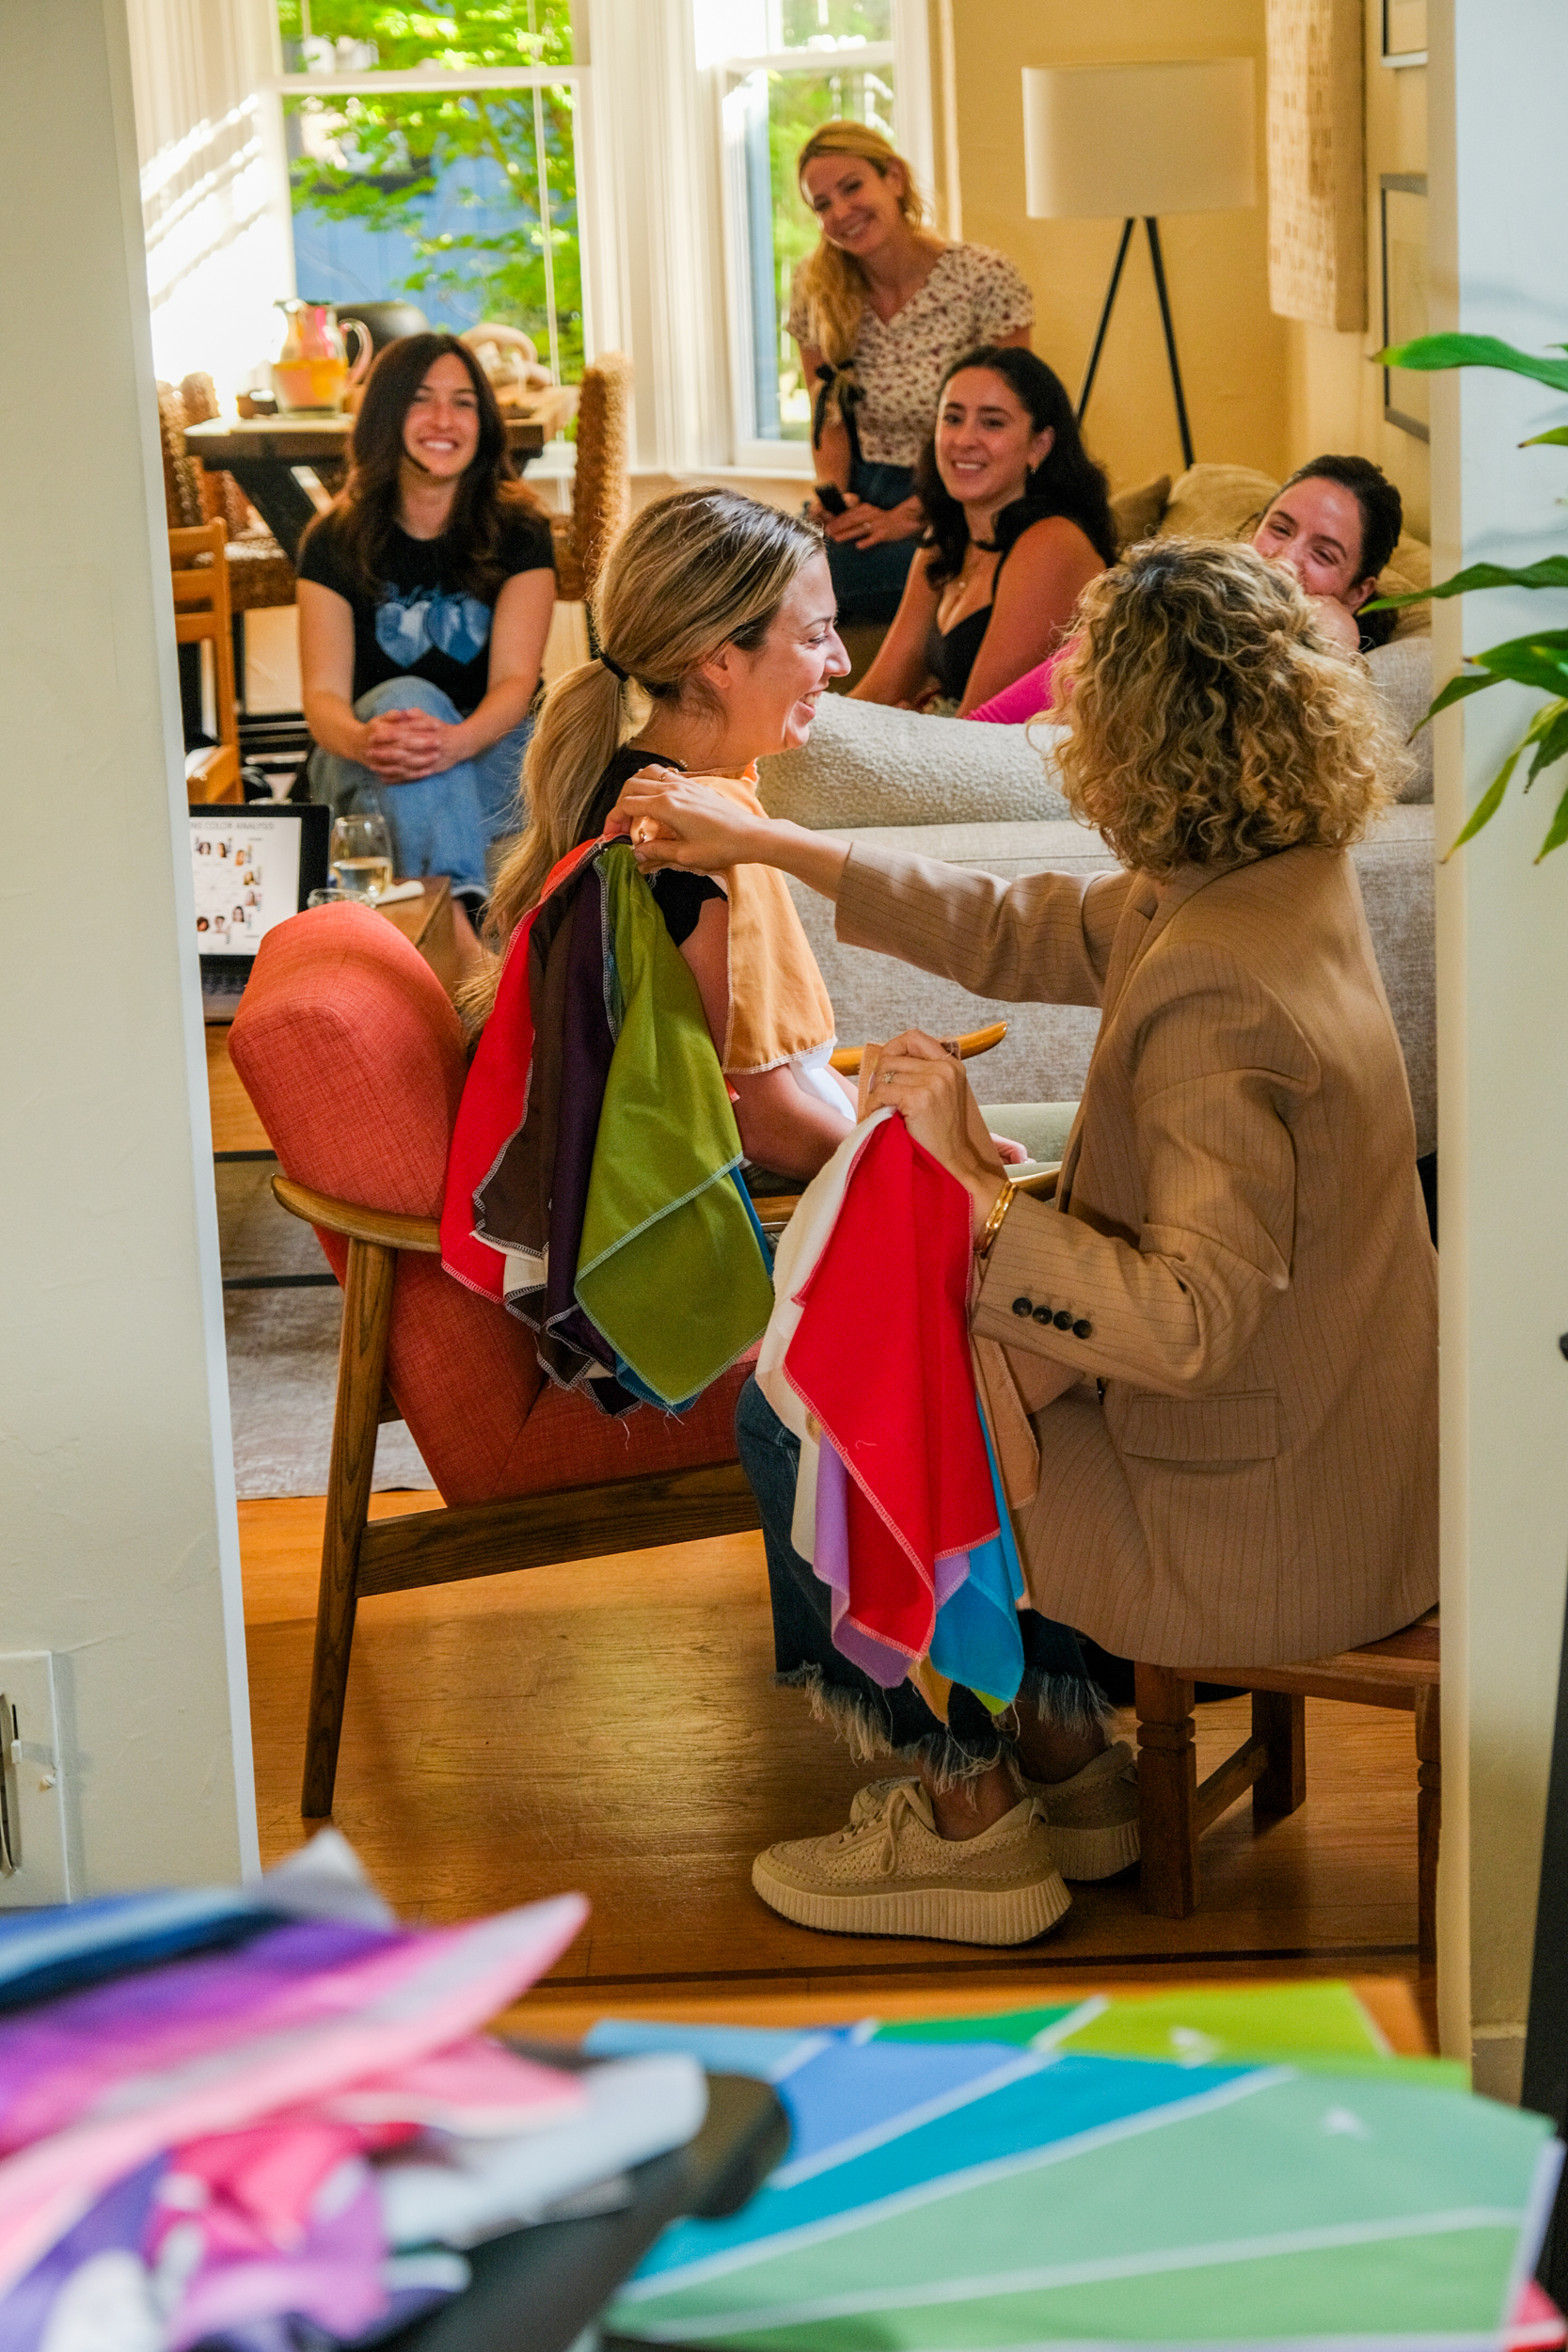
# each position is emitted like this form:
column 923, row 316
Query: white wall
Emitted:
column 214, row 185
column 1499, row 178
column 118, row 1542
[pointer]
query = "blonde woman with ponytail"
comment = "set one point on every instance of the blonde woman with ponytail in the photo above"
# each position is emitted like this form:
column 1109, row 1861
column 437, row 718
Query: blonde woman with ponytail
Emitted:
column 879, row 310
column 715, row 620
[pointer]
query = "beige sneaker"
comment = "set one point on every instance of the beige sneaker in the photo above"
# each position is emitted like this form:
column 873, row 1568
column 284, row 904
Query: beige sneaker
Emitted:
column 1093, row 1818
column 891, row 1874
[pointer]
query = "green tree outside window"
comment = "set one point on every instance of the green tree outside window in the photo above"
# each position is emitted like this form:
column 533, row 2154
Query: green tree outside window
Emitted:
column 379, row 159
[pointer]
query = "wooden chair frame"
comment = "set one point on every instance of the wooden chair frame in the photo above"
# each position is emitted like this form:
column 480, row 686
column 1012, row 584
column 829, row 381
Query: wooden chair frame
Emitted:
column 203, row 613
column 461, row 1540
column 1175, row 1809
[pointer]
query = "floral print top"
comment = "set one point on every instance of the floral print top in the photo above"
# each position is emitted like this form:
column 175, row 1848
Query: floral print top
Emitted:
column 973, row 295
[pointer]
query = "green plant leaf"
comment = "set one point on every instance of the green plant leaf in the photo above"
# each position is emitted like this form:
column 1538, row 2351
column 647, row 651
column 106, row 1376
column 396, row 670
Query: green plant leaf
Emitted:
column 1456, row 692
column 1427, row 354
column 1552, row 740
column 1557, row 832
column 1488, row 805
column 1557, row 434
column 1550, row 572
column 1528, row 662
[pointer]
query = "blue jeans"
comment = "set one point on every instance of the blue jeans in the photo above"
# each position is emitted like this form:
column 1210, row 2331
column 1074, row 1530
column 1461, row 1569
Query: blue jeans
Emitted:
column 440, row 824
column 868, row 582
column 874, row 1721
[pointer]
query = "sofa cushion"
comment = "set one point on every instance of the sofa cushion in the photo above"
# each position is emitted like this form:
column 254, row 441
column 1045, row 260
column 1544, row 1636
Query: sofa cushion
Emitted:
column 1215, row 501
column 869, row 765
column 1402, row 671
column 1137, row 512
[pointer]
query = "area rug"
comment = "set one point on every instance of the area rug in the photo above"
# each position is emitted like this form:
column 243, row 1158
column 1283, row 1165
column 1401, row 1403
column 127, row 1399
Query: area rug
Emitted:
column 283, row 1350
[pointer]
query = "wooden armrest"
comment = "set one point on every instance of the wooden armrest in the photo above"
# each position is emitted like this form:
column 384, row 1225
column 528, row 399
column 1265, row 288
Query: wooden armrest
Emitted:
column 848, row 1058
column 384, row 1226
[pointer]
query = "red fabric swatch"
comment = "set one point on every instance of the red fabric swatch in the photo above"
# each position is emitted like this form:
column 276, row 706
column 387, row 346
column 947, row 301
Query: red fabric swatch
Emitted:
column 882, row 1356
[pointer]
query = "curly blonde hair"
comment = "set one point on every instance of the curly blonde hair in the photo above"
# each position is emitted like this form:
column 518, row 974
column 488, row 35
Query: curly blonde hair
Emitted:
column 1208, row 724
column 832, row 283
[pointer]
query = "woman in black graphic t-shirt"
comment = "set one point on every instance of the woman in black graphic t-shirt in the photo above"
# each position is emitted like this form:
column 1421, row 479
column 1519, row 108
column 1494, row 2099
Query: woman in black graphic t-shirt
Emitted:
column 425, row 594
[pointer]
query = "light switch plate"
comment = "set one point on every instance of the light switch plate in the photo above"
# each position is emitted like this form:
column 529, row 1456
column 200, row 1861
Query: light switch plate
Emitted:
column 34, row 1862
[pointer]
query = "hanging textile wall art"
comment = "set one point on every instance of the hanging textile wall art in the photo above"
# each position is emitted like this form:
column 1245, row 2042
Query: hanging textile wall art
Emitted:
column 1316, row 176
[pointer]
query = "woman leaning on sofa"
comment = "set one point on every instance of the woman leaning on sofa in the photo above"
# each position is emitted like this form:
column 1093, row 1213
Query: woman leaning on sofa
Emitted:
column 1225, row 1324
column 878, row 309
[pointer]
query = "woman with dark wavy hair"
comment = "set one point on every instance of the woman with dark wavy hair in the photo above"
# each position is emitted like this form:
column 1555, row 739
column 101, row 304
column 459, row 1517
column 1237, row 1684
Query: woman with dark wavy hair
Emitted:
column 426, row 595
column 1017, row 522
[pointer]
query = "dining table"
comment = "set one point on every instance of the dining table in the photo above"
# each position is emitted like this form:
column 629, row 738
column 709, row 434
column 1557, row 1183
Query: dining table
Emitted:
column 266, row 456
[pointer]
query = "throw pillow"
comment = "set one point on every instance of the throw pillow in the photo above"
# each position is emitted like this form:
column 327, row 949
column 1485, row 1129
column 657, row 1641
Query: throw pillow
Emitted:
column 1137, row 512
column 1215, row 501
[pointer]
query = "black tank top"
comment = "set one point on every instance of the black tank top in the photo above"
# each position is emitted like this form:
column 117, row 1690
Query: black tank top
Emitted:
column 951, row 656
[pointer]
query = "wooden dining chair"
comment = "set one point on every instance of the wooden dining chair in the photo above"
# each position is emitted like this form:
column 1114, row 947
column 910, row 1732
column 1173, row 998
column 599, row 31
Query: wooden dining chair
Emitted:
column 1175, row 1808
column 204, row 616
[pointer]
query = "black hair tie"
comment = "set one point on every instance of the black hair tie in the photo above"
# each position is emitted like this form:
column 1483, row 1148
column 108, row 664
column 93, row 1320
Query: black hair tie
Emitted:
column 614, row 668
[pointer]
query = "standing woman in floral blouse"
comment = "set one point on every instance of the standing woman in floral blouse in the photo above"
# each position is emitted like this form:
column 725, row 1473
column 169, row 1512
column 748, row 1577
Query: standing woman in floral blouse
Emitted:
column 878, row 310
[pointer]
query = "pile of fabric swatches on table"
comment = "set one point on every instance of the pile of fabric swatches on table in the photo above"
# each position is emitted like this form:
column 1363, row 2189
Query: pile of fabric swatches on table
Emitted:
column 901, row 1504
column 593, row 1184
column 1212, row 2167
column 269, row 2121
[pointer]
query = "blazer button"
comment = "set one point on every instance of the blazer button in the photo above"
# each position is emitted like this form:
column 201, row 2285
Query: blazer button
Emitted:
column 1062, row 1319
column 1023, row 1306
column 1042, row 1314
column 1081, row 1329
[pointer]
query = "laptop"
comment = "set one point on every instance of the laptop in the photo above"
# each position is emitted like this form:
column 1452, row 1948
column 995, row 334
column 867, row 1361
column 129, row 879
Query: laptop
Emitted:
column 254, row 867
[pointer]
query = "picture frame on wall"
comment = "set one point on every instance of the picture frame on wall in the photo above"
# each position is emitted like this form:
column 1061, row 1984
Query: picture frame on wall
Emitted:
column 1404, row 32
column 1402, row 202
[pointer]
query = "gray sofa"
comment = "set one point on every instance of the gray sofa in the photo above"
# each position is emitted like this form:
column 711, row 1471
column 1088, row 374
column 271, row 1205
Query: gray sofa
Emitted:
column 983, row 796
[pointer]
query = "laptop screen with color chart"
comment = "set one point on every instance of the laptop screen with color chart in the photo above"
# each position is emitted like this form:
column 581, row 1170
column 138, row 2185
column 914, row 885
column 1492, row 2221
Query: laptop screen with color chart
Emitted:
column 253, row 867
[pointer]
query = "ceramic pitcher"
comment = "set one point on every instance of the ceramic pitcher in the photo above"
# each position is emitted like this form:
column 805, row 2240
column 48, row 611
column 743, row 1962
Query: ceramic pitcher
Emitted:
column 312, row 372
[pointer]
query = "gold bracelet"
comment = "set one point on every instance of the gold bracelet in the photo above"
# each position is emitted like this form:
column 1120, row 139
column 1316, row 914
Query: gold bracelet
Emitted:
column 999, row 1208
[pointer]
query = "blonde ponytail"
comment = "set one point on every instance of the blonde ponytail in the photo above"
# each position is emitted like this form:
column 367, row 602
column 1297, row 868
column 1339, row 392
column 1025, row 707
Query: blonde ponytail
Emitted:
column 829, row 282
column 690, row 574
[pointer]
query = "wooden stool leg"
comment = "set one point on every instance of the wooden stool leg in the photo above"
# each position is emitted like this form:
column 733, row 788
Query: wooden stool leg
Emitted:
column 1167, row 1793
column 1279, row 1717
column 361, row 1371
column 1429, row 1817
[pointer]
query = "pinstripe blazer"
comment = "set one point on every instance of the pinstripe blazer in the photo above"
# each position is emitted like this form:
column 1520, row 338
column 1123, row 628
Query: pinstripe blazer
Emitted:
column 1245, row 1472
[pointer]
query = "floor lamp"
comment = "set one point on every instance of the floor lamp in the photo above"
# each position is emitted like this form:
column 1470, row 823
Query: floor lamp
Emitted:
column 1132, row 142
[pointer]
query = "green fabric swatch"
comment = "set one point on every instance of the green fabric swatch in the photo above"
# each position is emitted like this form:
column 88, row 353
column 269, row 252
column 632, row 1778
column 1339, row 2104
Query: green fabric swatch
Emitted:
column 669, row 1268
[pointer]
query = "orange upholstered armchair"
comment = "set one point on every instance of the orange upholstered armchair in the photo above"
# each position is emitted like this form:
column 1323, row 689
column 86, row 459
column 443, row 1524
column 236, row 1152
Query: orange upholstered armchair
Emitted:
column 353, row 1058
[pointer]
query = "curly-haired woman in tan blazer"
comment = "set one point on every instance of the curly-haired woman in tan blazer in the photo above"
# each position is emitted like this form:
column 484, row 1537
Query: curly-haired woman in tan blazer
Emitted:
column 1226, row 1321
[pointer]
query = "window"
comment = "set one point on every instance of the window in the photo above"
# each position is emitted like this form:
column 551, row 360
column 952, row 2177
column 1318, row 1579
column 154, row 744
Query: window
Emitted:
column 781, row 67
column 433, row 154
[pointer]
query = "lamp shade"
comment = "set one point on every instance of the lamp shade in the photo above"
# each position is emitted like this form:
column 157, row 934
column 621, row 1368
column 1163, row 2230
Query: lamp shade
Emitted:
column 1110, row 141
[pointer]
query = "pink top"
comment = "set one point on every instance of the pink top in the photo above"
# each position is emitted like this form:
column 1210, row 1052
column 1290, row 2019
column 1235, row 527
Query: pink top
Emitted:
column 1024, row 699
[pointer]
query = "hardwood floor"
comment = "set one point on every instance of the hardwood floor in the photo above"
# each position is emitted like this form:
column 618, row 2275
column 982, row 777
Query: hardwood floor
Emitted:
column 611, row 1726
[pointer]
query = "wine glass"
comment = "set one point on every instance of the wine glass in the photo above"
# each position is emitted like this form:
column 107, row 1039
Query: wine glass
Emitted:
column 361, row 856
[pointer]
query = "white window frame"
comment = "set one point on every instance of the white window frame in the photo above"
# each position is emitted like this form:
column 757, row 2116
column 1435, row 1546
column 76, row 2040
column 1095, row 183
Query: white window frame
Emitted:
column 908, row 55
column 418, row 82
